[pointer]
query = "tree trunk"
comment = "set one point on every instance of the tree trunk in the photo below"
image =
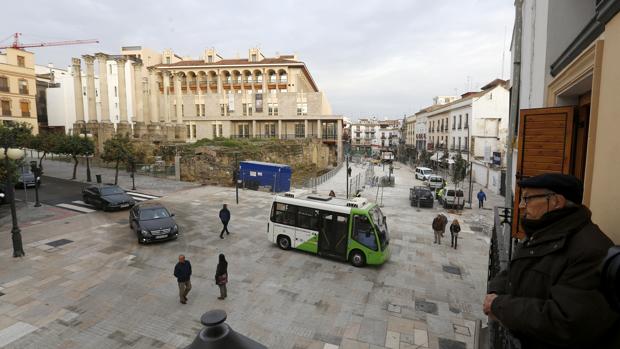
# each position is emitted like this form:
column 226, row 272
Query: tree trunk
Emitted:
column 75, row 166
column 41, row 160
column 116, row 173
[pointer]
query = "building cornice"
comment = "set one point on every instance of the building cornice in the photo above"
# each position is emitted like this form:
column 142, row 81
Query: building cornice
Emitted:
column 605, row 11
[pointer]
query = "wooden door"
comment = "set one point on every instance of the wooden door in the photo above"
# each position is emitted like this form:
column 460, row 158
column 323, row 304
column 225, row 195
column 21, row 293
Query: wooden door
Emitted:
column 545, row 144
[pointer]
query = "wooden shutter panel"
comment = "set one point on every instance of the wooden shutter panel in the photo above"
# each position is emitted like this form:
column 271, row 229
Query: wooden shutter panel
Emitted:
column 544, row 145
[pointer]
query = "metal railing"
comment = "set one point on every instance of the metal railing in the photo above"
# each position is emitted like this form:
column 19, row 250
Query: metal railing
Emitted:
column 160, row 171
column 316, row 181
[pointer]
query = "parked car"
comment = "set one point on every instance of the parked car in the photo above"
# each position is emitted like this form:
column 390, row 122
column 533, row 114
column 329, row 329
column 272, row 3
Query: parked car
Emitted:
column 421, row 196
column 423, row 173
column 152, row 222
column 26, row 178
column 435, row 182
column 107, row 197
column 454, row 199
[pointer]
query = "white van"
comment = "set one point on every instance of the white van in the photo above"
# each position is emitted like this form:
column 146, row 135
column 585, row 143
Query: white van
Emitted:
column 435, row 182
column 454, row 199
column 423, row 173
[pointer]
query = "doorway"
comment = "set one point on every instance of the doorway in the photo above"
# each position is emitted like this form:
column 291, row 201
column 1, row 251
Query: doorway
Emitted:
column 333, row 235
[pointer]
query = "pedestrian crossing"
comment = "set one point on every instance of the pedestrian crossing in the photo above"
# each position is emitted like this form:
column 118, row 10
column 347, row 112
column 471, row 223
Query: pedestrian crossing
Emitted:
column 82, row 207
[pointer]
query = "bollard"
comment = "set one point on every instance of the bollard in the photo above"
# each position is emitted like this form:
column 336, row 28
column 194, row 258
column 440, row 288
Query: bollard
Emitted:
column 218, row 335
column 98, row 178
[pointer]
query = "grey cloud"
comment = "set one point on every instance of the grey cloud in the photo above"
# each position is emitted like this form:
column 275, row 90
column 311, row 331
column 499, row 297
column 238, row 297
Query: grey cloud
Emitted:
column 384, row 58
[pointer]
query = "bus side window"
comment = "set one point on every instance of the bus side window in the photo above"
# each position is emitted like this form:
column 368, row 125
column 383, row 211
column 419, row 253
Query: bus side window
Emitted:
column 363, row 232
column 308, row 218
column 289, row 215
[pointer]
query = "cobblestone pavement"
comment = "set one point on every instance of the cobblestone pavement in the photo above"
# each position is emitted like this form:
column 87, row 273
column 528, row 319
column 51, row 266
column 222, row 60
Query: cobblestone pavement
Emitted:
column 86, row 283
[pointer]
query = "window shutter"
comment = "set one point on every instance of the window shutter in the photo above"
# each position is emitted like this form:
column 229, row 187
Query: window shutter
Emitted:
column 544, row 145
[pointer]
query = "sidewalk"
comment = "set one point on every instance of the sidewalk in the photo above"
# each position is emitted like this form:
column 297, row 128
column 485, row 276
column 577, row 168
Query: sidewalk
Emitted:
column 144, row 184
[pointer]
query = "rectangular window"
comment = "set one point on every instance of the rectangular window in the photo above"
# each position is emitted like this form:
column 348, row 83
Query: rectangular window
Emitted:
column 25, row 108
column 223, row 108
column 115, row 92
column 308, row 218
column 189, row 131
column 245, row 109
column 250, row 109
column 300, row 130
column 6, row 108
column 197, row 109
column 254, row 57
column 4, row 84
column 454, row 122
column 302, row 109
column 466, row 145
column 466, row 123
column 460, row 121
column 220, row 130
column 21, row 61
column 182, row 109
column 269, row 108
column 23, row 87
column 203, row 110
column 275, row 109
column 214, row 131
column 283, row 213
column 194, row 131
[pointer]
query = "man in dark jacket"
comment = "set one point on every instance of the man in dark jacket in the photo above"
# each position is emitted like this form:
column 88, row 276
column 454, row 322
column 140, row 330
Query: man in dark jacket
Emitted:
column 183, row 273
column 481, row 198
column 225, row 218
column 549, row 298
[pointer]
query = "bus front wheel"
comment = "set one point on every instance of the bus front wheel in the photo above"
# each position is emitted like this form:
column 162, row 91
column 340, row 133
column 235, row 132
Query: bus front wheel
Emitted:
column 284, row 242
column 357, row 259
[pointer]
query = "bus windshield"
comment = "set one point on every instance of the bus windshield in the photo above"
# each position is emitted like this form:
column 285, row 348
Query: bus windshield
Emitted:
column 379, row 220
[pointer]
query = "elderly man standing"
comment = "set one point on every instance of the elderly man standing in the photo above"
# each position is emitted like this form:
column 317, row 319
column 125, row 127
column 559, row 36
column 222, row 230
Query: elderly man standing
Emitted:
column 549, row 298
column 183, row 273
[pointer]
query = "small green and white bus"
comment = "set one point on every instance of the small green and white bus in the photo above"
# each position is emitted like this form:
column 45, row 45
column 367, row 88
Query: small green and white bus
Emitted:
column 353, row 230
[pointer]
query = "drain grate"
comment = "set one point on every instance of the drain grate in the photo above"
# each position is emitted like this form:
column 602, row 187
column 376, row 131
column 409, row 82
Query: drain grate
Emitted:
column 452, row 269
column 57, row 243
column 427, row 307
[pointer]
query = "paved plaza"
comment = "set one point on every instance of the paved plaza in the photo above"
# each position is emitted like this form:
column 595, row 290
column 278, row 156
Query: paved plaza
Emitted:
column 86, row 283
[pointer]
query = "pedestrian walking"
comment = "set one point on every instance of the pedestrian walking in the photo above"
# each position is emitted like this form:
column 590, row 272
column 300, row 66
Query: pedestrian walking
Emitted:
column 332, row 193
column 439, row 227
column 183, row 273
column 455, row 229
column 549, row 297
column 481, row 198
column 225, row 218
column 221, row 276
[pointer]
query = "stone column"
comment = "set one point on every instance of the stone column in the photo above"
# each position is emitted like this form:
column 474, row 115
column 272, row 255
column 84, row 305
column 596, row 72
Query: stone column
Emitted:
column 319, row 129
column 279, row 129
column 339, row 140
column 77, row 90
column 123, row 125
column 253, row 128
column 138, row 108
column 154, row 127
column 219, row 83
column 90, row 88
column 166, row 97
column 306, row 128
column 179, row 99
column 102, row 58
column 265, row 77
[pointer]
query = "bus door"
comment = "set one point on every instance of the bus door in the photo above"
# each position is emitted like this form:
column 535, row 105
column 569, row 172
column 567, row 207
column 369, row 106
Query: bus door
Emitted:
column 333, row 235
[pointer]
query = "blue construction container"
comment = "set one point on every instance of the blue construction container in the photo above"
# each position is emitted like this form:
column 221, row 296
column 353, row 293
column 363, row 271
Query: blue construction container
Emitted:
column 264, row 175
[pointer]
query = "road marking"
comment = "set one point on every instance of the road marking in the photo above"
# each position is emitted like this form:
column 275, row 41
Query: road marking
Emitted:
column 76, row 208
column 143, row 195
column 80, row 202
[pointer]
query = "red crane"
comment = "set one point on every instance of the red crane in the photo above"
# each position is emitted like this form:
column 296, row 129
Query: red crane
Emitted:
column 18, row 45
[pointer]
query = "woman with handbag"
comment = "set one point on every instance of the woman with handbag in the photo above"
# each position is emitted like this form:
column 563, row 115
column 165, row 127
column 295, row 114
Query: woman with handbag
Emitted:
column 221, row 276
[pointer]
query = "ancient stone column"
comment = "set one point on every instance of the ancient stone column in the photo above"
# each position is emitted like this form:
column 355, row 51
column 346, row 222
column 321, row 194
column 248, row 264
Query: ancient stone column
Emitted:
column 138, row 108
column 154, row 96
column 77, row 90
column 166, row 97
column 102, row 58
column 90, row 88
column 306, row 128
column 319, row 129
column 179, row 99
column 123, row 125
column 339, row 145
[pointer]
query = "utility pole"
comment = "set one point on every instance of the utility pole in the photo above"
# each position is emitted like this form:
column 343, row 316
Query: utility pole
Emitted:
column 236, row 175
column 346, row 156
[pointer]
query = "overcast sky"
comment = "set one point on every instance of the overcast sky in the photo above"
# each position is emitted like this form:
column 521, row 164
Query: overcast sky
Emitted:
column 372, row 58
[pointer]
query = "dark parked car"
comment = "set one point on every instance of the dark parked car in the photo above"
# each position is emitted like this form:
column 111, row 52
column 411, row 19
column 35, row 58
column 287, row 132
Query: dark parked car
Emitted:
column 26, row 178
column 421, row 196
column 107, row 197
column 152, row 222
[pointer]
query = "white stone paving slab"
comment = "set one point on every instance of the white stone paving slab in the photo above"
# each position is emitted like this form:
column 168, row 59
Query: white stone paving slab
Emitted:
column 15, row 332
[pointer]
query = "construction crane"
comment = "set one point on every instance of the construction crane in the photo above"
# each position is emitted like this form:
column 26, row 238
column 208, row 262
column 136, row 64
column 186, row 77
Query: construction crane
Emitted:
column 18, row 45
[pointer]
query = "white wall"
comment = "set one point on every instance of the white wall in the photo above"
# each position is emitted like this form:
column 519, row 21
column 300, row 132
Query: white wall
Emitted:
column 533, row 53
column 487, row 177
column 489, row 123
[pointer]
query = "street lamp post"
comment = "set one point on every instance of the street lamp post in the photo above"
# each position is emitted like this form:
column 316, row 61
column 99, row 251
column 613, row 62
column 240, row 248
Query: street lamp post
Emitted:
column 37, row 171
column 13, row 154
column 132, row 167
column 236, row 177
column 85, row 134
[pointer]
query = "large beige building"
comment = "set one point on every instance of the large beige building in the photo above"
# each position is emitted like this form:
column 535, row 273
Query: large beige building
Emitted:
column 180, row 99
column 18, row 87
